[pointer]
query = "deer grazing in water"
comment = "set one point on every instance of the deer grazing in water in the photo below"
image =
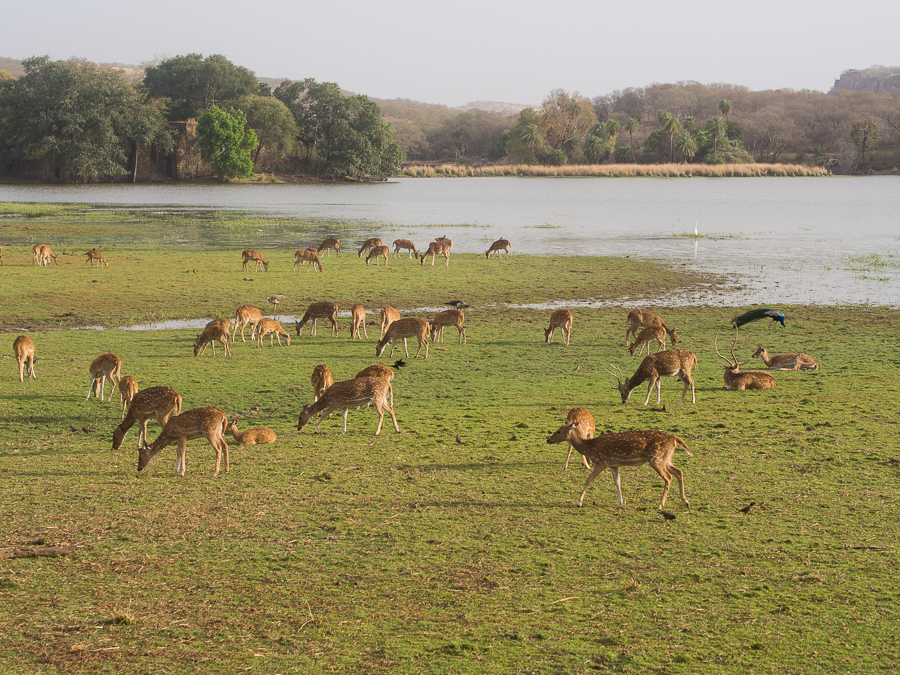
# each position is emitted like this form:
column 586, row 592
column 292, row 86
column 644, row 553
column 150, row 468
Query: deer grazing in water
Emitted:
column 369, row 243
column 629, row 448
column 435, row 249
column 94, row 256
column 388, row 316
column 249, row 255
column 248, row 314
column 343, row 395
column 128, row 388
column 585, row 428
column 105, row 367
column 384, row 373
column 310, row 257
column 497, row 248
column 449, row 317
column 329, row 244
column 405, row 245
column 319, row 310
column 671, row 363
column 358, row 322
column 735, row 380
column 403, row 329
column 156, row 402
column 796, row 361
column 208, row 423
column 42, row 255
column 23, row 349
column 321, row 380
column 641, row 318
column 215, row 330
column 646, row 336
column 273, row 329
column 562, row 319
column 378, row 252
column 255, row 436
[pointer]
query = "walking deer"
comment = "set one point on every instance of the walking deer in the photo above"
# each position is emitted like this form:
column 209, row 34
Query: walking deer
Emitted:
column 497, row 248
column 248, row 314
column 671, row 363
column 128, row 388
column 94, row 256
column 585, row 428
column 378, row 252
column 796, row 361
column 405, row 245
column 105, row 367
column 358, row 322
column 273, row 329
column 255, row 436
column 403, row 329
column 735, row 380
column 646, row 336
column 343, row 395
column 449, row 317
column 641, row 318
column 249, row 255
column 310, row 257
column 562, row 319
column 435, row 249
column 388, row 316
column 215, row 330
column 629, row 448
column 321, row 380
column 208, row 423
column 329, row 244
column 156, row 402
column 319, row 310
column 23, row 349
column 369, row 243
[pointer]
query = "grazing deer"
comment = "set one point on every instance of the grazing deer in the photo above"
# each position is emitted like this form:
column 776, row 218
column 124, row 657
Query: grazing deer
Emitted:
column 329, row 244
column 561, row 318
column 797, row 361
column 42, row 255
column 641, row 318
column 449, row 317
column 255, row 436
column 156, row 402
column 383, row 372
column 208, row 423
column 105, row 367
column 405, row 245
column 403, row 329
column 217, row 329
column 629, row 448
column 343, row 395
column 647, row 335
column 444, row 240
column 735, row 380
column 584, row 428
column 369, row 243
column 128, row 387
column 671, row 363
column 310, row 257
column 249, row 255
column 248, row 314
column 358, row 322
column 498, row 247
column 436, row 249
column 378, row 252
column 388, row 316
column 23, row 349
column 319, row 310
column 321, row 380
column 273, row 329
column 92, row 256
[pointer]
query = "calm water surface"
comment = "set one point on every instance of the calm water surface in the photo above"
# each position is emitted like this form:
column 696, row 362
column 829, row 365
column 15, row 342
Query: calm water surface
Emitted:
column 827, row 241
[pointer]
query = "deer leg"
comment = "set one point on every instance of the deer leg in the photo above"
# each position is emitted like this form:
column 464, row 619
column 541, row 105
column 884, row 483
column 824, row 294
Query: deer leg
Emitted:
column 390, row 409
column 334, row 328
column 380, row 409
column 142, row 432
column 653, row 381
column 679, row 474
column 346, row 412
column 688, row 381
column 406, row 348
column 90, row 388
column 314, row 326
column 661, row 469
column 393, row 343
column 568, row 454
column 596, row 472
column 617, row 481
column 180, row 455
column 365, row 332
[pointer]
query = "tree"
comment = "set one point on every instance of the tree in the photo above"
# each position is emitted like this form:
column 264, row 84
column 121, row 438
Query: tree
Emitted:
column 226, row 142
column 565, row 119
column 686, row 145
column 725, row 107
column 716, row 127
column 864, row 134
column 273, row 123
column 670, row 125
column 631, row 125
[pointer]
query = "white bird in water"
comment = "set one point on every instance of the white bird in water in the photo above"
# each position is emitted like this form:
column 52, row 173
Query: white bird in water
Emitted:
column 275, row 299
column 696, row 231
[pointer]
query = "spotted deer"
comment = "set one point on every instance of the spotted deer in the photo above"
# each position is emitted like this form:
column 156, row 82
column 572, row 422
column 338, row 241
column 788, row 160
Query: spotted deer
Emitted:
column 641, row 318
column 331, row 244
column 249, row 255
column 405, row 245
column 358, row 322
column 388, row 316
column 796, row 361
column 584, row 428
column 208, row 423
column 273, row 329
column 378, row 252
column 498, row 247
column 319, row 310
column 343, row 395
column 23, row 349
column 435, row 249
column 255, row 436
column 735, row 380
column 105, row 367
column 215, row 331
column 671, row 363
column 562, row 319
column 646, row 336
column 383, row 372
column 248, row 314
column 449, row 317
column 42, row 255
column 158, row 403
column 128, row 388
column 309, row 257
column 321, row 380
column 369, row 243
column 401, row 330
column 93, row 256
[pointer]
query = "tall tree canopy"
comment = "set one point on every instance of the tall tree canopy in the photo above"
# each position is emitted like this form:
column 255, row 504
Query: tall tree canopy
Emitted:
column 227, row 142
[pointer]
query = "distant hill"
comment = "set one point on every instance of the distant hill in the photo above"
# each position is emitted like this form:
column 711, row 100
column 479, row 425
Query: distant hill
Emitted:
column 497, row 107
column 879, row 79
column 12, row 66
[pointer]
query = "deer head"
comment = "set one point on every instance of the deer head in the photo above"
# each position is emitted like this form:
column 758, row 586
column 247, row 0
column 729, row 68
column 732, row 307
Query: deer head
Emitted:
column 623, row 384
column 733, row 363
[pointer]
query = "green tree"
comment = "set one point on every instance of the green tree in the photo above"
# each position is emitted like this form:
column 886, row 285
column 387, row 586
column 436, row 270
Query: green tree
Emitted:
column 594, row 149
column 273, row 123
column 716, row 127
column 226, row 142
column 565, row 119
column 671, row 126
column 632, row 124
column 685, row 145
column 725, row 107
column 864, row 134
column 690, row 124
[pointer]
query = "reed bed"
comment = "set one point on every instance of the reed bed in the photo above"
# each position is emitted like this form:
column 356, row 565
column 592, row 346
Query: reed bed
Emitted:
column 617, row 170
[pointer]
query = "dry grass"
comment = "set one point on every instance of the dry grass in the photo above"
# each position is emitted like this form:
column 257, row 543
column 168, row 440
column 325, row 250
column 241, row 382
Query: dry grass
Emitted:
column 618, row 170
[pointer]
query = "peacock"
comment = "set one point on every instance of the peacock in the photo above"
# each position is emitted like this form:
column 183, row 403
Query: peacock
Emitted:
column 756, row 315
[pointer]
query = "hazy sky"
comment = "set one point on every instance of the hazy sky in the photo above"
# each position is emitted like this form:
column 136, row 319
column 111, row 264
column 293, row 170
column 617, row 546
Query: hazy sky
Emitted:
column 457, row 51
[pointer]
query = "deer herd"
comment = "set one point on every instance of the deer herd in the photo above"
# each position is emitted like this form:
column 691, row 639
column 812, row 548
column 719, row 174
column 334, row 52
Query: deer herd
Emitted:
column 374, row 385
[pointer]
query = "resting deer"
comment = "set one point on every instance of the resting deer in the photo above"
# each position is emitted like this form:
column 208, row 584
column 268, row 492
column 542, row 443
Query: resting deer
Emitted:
column 403, row 329
column 797, row 361
column 128, row 387
column 310, row 257
column 329, row 244
column 248, row 314
column 273, row 329
column 629, row 448
column 321, row 380
column 208, row 423
column 735, row 380
column 215, row 330
column 358, row 322
column 156, row 402
column 94, row 256
column 255, row 436
column 104, row 367
column 249, row 256
column 585, row 428
column 388, row 316
column 449, row 317
column 647, row 335
column 436, row 249
column 561, row 318
column 319, row 310
column 369, row 243
column 671, row 363
column 378, row 252
column 405, row 245
column 343, row 395
column 498, row 247
column 42, row 255
column 640, row 318
column 23, row 349
column 383, row 372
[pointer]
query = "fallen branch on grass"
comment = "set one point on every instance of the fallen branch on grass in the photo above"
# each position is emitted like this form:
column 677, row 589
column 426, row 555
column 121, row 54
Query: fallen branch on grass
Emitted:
column 39, row 552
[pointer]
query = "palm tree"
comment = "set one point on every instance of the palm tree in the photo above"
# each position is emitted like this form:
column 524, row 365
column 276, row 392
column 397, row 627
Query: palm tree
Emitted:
column 532, row 138
column 594, row 149
column 725, row 107
column 717, row 127
column 671, row 125
column 690, row 124
column 631, row 125
column 686, row 145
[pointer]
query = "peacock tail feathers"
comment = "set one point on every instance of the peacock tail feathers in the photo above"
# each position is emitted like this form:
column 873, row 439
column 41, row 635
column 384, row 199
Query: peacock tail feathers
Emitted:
column 757, row 314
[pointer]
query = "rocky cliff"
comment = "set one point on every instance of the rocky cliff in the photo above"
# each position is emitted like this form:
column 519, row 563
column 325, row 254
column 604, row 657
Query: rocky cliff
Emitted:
column 877, row 78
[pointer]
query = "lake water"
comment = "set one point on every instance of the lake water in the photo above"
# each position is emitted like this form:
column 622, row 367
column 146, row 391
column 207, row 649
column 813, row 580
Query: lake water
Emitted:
column 831, row 241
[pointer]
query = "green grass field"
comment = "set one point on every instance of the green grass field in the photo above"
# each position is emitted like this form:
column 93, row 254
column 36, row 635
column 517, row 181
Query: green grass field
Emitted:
column 412, row 552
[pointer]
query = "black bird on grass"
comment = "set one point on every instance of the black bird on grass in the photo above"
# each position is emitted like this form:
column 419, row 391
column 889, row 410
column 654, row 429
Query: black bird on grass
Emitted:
column 747, row 508
column 757, row 314
column 400, row 363
column 668, row 516
column 458, row 304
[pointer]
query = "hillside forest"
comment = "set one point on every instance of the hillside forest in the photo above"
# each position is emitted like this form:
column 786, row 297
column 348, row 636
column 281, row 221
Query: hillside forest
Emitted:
column 78, row 121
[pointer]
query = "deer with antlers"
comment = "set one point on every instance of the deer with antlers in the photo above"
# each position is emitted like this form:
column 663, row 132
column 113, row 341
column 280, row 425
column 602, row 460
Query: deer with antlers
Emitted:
column 497, row 248
column 273, row 329
column 671, row 363
column 796, row 361
column 105, row 367
column 629, row 448
column 369, row 243
column 378, row 252
column 128, row 389
column 401, row 330
column 23, row 349
column 93, row 256
column 208, row 423
column 584, row 427
column 309, row 257
column 255, row 436
column 405, row 245
column 735, row 380
column 358, row 322
column 435, row 249
column 449, row 317
column 248, row 314
column 331, row 244
column 562, row 319
column 646, row 336
column 641, row 318
column 319, row 310
column 158, row 403
column 388, row 316
column 215, row 330
column 343, row 395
